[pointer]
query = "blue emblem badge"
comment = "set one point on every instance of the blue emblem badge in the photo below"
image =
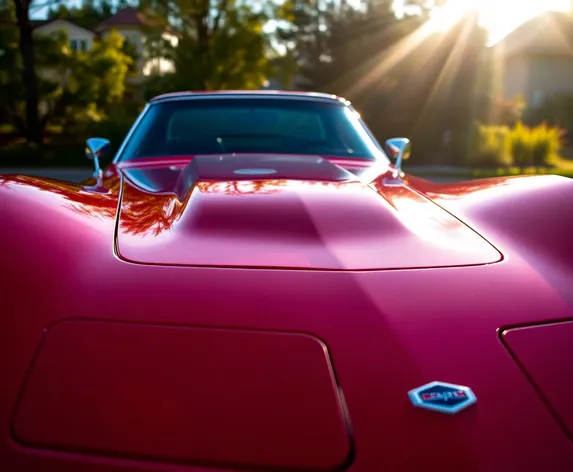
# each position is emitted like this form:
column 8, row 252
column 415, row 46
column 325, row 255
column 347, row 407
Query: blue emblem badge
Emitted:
column 443, row 397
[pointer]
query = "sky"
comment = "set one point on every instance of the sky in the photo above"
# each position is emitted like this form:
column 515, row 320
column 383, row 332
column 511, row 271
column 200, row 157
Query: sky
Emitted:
column 39, row 8
column 499, row 17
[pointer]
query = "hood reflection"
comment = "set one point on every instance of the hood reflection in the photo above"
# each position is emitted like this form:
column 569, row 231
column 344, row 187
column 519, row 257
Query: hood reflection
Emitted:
column 154, row 213
column 70, row 196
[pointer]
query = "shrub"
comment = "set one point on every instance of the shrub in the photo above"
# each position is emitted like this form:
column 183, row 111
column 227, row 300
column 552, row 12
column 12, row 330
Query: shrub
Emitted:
column 521, row 145
column 489, row 146
column 546, row 144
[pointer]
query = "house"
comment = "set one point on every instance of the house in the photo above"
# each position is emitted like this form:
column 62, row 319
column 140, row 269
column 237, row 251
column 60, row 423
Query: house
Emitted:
column 535, row 61
column 133, row 25
column 80, row 38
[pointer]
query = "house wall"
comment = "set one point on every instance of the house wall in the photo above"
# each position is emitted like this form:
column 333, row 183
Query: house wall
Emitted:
column 514, row 77
column 537, row 78
column 160, row 65
column 76, row 35
column 81, row 36
column 145, row 66
column 74, row 32
column 548, row 76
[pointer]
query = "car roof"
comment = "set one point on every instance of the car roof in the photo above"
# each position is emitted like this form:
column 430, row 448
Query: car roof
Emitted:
column 186, row 95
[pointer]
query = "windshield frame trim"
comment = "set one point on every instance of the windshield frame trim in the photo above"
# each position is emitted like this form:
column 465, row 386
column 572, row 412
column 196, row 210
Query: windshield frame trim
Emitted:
column 142, row 114
column 257, row 96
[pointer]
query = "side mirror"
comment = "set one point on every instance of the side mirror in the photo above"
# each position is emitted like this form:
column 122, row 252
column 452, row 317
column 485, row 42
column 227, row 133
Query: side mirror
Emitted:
column 398, row 149
column 96, row 149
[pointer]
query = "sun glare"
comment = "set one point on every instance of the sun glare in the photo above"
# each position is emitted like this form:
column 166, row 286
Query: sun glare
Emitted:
column 498, row 17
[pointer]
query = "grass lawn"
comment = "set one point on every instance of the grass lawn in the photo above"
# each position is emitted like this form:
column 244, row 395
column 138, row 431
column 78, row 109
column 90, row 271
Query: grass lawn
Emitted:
column 558, row 166
column 483, row 173
column 499, row 172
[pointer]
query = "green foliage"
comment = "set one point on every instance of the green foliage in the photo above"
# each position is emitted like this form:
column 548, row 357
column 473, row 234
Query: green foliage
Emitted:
column 74, row 85
column 489, row 146
column 522, row 146
column 221, row 45
column 403, row 79
column 88, row 14
column 10, row 62
column 12, row 90
column 546, row 143
column 107, row 62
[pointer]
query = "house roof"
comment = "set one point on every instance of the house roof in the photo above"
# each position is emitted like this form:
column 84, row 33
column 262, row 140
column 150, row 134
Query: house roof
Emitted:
column 37, row 23
column 126, row 17
column 548, row 34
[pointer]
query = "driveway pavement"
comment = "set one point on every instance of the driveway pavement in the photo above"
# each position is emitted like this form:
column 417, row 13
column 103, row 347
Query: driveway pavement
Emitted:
column 78, row 175
column 69, row 175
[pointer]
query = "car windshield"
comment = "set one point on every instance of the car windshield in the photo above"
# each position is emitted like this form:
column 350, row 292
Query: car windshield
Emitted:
column 251, row 125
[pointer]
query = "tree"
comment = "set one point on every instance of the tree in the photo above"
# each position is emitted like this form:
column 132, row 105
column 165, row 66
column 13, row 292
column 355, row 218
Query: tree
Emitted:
column 403, row 79
column 88, row 14
column 72, row 85
column 86, row 84
column 28, row 71
column 36, row 54
column 334, row 42
column 10, row 88
column 13, row 89
column 221, row 44
column 304, row 33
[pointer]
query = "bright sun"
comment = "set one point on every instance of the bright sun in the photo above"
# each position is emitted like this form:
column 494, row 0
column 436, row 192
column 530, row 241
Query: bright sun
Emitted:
column 498, row 17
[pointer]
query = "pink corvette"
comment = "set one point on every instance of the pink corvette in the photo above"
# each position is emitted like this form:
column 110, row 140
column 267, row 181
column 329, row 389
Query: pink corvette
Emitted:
column 254, row 284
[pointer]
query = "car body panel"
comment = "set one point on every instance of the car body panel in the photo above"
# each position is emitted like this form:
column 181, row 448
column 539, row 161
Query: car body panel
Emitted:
column 386, row 331
column 382, row 332
column 210, row 214
column 526, row 217
column 279, row 384
column 544, row 353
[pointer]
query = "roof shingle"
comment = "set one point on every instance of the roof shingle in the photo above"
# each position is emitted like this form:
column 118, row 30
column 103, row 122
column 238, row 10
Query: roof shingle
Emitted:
column 126, row 17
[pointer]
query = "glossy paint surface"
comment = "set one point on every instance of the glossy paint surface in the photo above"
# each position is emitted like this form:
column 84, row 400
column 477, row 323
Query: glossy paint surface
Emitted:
column 385, row 332
column 549, row 369
column 212, row 213
column 236, row 386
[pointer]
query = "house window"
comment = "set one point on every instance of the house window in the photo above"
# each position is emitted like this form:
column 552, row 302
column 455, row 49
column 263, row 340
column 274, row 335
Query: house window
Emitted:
column 79, row 44
column 130, row 38
column 537, row 98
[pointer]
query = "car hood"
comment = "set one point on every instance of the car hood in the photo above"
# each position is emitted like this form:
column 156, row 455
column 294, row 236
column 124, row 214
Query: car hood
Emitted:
column 286, row 212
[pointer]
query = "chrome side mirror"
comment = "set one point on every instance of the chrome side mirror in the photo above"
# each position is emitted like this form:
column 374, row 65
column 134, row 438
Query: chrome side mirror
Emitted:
column 96, row 149
column 398, row 150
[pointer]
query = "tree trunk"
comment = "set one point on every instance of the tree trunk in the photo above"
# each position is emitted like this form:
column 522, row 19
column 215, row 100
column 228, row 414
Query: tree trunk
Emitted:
column 33, row 124
column 202, row 30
